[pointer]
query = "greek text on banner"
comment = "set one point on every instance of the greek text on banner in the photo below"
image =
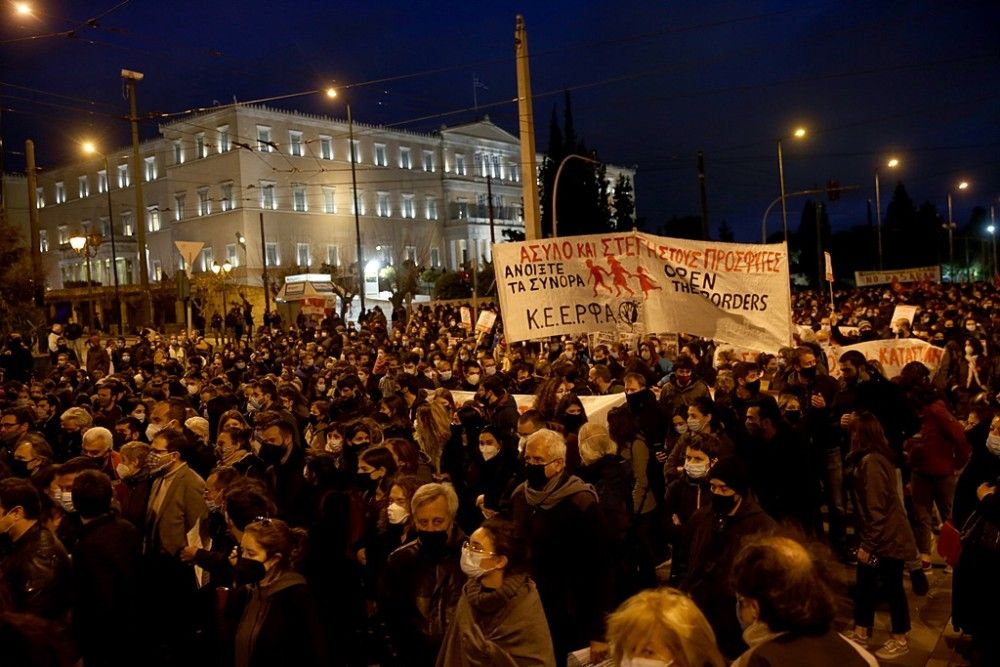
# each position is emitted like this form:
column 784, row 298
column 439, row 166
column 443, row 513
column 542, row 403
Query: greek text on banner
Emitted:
column 638, row 283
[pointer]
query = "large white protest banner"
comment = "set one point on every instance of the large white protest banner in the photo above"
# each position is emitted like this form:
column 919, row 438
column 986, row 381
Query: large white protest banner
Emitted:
column 595, row 407
column 638, row 283
column 892, row 354
column 916, row 275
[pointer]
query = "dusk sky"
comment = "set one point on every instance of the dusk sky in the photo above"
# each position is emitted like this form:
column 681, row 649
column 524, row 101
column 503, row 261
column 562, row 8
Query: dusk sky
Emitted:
column 652, row 83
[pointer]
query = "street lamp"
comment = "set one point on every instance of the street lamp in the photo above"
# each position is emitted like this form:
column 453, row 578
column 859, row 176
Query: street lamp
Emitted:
column 22, row 8
column 950, row 226
column 555, row 187
column 87, row 247
column 892, row 163
column 332, row 93
column 222, row 272
column 90, row 149
column 798, row 133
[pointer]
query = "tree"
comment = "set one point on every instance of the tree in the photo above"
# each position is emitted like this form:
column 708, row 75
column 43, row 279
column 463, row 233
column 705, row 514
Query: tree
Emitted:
column 812, row 238
column 623, row 203
column 726, row 232
column 453, row 285
column 900, row 243
column 17, row 308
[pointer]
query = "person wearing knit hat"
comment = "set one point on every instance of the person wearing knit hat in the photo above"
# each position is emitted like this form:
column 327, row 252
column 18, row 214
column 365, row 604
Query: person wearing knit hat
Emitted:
column 717, row 532
column 198, row 426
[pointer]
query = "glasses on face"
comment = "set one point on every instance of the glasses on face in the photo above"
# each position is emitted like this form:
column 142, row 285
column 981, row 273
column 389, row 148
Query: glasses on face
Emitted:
column 476, row 549
column 536, row 461
column 721, row 489
column 8, row 425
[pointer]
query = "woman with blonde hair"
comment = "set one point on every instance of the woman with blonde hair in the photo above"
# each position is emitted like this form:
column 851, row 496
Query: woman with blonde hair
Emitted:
column 433, row 431
column 657, row 628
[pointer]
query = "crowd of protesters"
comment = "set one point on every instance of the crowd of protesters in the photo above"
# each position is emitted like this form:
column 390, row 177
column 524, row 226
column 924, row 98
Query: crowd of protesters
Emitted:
column 334, row 494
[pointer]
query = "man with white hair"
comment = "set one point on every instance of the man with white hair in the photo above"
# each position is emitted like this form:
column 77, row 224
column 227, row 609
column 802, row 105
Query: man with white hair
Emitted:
column 98, row 445
column 73, row 423
column 561, row 519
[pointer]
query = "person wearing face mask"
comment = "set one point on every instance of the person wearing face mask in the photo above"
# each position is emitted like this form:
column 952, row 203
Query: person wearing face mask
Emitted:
column 34, row 566
column 98, row 445
column 660, row 628
column 499, row 618
column 31, row 453
column 283, row 462
column 445, row 375
column 683, row 387
column 106, row 569
column 473, row 374
column 500, row 408
column 716, row 533
column 279, row 623
column 686, row 495
column 424, row 579
column 704, row 418
column 786, row 607
column 15, row 423
column 560, row 514
column 491, row 472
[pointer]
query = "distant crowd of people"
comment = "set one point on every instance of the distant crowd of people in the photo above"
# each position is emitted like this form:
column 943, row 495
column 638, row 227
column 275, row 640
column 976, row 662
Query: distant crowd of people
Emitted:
column 341, row 494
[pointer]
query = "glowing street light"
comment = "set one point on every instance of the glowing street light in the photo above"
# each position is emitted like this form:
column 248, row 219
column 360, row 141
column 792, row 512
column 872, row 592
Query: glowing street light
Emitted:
column 22, row 8
column 950, row 226
column 798, row 133
column 90, row 148
column 891, row 163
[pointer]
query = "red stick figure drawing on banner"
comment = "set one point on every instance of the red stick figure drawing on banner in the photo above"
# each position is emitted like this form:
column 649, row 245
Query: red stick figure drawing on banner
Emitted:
column 596, row 273
column 646, row 282
column 620, row 274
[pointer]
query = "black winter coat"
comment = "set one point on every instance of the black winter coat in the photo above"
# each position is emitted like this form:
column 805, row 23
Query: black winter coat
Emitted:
column 279, row 627
column 36, row 574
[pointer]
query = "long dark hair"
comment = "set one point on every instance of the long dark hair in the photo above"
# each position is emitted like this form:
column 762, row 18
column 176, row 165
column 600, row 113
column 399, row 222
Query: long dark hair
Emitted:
column 868, row 437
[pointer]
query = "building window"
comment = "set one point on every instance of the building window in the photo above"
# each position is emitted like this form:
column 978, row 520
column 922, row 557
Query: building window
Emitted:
column 226, row 200
column 152, row 218
column 497, row 172
column 381, row 157
column 128, row 226
column 405, row 157
column 432, row 208
column 460, row 164
column 356, row 153
column 271, row 253
column 179, row 206
column 231, row 255
column 102, row 181
column 295, row 143
column 157, row 270
column 515, row 172
column 200, row 150
column 428, row 161
column 84, row 187
column 123, row 180
column 264, row 143
column 178, row 151
column 298, row 197
column 329, row 199
column 207, row 258
column 204, row 203
column 360, row 203
column 325, row 147
column 63, row 234
column 411, row 253
column 39, row 197
column 43, row 240
column 60, row 192
column 267, row 199
column 150, row 173
column 225, row 141
column 435, row 257
column 463, row 208
column 105, row 226
column 409, row 208
column 333, row 255
column 303, row 255
column 382, row 207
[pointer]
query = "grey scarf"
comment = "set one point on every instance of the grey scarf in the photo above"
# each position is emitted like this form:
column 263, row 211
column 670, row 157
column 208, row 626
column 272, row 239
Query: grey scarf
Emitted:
column 557, row 489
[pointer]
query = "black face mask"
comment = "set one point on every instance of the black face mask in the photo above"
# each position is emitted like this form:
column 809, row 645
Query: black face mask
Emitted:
column 723, row 504
column 793, row 415
column 752, row 387
column 808, row 373
column 365, row 481
column 535, row 474
column 19, row 468
column 433, row 542
column 271, row 453
column 634, row 400
column 572, row 423
column 248, row 571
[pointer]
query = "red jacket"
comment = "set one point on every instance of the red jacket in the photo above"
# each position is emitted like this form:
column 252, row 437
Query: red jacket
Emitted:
column 940, row 448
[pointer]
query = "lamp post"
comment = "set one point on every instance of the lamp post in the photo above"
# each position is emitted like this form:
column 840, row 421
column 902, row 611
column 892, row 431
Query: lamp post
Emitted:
column 799, row 133
column 90, row 149
column 555, row 187
column 222, row 271
column 332, row 93
column 87, row 246
column 892, row 163
column 950, row 226
column 992, row 228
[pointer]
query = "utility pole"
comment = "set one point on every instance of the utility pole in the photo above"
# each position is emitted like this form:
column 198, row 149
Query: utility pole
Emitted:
column 705, row 232
column 38, row 278
column 526, row 118
column 819, row 244
column 146, row 308
column 489, row 198
column 357, row 215
column 263, row 272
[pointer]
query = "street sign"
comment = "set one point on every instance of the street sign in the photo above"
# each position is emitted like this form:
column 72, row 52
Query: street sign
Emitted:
column 189, row 251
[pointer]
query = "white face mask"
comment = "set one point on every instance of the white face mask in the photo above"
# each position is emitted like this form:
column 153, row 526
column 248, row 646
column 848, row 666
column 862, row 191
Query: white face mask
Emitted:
column 695, row 470
column 489, row 451
column 65, row 500
column 445, row 375
column 490, row 370
column 694, row 424
column 681, row 428
column 152, row 430
column 645, row 662
column 473, row 379
column 397, row 513
column 471, row 564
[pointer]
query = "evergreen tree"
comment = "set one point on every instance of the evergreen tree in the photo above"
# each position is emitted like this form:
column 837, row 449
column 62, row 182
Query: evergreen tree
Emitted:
column 623, row 204
column 683, row 227
column 17, row 307
column 807, row 238
column 726, row 232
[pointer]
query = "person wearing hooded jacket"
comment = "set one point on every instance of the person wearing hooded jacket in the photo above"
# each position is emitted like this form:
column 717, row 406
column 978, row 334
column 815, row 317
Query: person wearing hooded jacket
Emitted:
column 717, row 533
